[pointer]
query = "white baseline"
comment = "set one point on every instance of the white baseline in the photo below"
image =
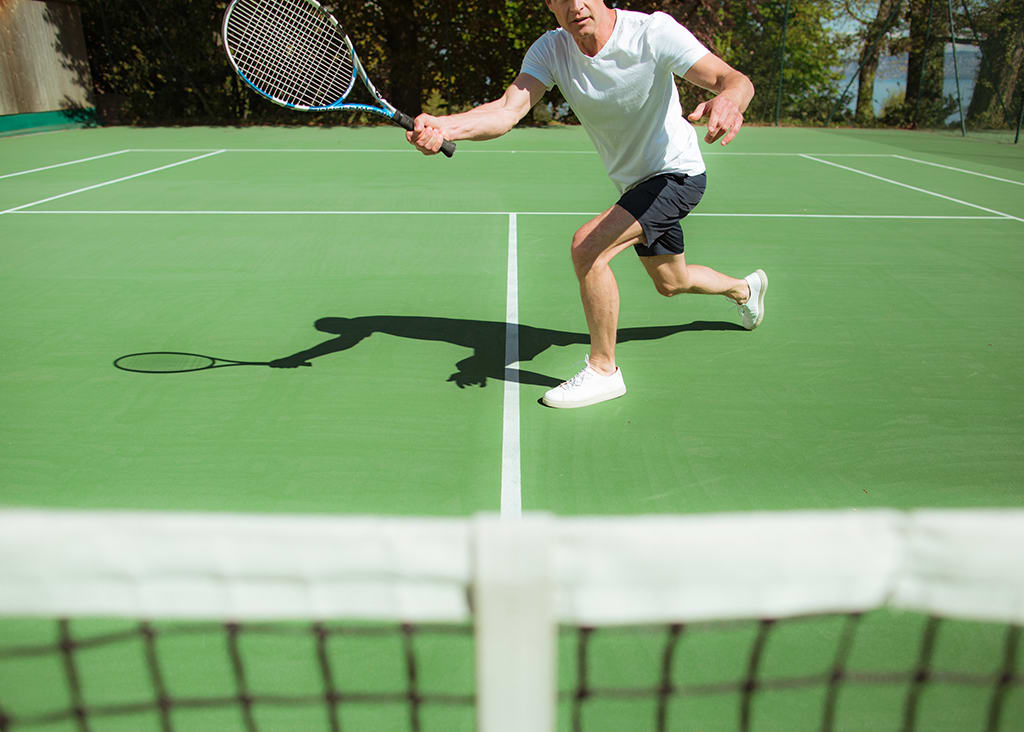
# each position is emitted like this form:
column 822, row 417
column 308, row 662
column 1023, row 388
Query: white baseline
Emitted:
column 199, row 212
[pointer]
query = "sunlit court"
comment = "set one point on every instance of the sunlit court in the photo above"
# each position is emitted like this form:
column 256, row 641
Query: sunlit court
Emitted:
column 276, row 451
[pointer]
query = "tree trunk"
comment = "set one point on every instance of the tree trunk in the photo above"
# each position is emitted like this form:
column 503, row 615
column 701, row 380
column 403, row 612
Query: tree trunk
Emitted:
column 1002, row 51
column 405, row 80
column 925, row 61
column 869, row 55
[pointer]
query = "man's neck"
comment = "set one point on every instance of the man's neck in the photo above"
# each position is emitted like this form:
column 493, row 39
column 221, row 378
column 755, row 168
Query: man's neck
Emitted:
column 591, row 45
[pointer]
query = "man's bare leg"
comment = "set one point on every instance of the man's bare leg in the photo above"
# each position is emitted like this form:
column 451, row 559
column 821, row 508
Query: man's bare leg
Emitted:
column 673, row 276
column 594, row 246
column 596, row 243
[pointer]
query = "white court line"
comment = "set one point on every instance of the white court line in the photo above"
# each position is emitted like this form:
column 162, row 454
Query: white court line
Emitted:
column 914, row 188
column 108, row 183
column 361, row 212
column 744, row 153
column 511, row 477
column 171, row 212
column 961, row 170
column 485, row 151
column 61, row 165
column 909, row 217
column 357, row 150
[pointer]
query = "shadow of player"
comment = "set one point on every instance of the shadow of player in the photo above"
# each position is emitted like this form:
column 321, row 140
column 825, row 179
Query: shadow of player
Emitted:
column 486, row 339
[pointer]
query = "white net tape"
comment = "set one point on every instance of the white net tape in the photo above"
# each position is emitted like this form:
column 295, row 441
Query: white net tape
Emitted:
column 599, row 571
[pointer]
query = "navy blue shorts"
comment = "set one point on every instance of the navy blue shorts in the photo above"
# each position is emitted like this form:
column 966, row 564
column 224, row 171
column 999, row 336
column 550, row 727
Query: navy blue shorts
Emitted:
column 659, row 204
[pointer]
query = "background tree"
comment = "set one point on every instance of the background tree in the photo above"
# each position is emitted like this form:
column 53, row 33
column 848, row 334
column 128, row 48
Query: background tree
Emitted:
column 1000, row 28
column 161, row 61
column 752, row 39
column 876, row 26
column 924, row 105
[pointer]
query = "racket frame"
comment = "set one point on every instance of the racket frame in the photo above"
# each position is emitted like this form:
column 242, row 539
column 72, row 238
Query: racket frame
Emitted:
column 215, row 363
column 386, row 109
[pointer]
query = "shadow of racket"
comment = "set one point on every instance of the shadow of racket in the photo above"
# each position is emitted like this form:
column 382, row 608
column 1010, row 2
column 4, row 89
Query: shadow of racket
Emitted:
column 174, row 362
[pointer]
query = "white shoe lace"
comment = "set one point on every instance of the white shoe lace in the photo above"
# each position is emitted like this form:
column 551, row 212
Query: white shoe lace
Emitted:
column 576, row 380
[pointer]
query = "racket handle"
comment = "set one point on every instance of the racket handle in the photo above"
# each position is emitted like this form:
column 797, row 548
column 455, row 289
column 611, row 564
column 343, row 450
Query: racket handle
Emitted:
column 448, row 148
column 403, row 120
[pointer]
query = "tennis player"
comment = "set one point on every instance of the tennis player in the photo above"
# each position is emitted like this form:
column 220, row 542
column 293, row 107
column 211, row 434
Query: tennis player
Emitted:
column 616, row 69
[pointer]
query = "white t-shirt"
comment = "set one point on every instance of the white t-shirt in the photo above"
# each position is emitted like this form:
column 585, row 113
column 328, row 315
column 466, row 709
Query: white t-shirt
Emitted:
column 625, row 96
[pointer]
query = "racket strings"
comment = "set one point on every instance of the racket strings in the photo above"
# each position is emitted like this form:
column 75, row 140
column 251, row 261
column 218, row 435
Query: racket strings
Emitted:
column 274, row 35
column 290, row 50
column 242, row 38
column 336, row 59
column 311, row 37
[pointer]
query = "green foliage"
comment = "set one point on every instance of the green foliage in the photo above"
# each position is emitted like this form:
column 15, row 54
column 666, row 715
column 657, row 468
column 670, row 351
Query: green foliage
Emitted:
column 161, row 61
column 924, row 112
column 810, row 75
column 999, row 26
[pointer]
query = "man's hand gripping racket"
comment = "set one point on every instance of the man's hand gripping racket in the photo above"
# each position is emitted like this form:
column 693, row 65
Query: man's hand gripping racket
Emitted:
column 295, row 53
column 426, row 135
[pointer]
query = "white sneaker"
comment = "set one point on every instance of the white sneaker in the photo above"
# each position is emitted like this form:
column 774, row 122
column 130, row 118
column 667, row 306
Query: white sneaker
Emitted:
column 752, row 311
column 585, row 388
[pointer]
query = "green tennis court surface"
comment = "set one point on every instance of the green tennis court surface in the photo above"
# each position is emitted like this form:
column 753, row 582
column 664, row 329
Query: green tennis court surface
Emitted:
column 436, row 302
column 887, row 372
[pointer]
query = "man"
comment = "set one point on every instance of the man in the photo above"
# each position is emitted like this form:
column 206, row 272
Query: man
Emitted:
column 616, row 69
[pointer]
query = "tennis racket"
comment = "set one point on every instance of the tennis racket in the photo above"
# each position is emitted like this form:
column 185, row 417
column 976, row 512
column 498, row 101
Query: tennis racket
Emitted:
column 173, row 362
column 296, row 54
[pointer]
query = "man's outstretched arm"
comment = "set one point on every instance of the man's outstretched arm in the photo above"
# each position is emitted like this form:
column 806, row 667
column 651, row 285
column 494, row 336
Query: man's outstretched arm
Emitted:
column 485, row 122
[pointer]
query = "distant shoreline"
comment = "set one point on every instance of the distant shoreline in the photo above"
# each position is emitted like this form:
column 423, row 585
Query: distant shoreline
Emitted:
column 892, row 76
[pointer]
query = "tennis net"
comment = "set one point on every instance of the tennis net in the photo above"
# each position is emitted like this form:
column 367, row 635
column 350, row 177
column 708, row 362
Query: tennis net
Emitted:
column 852, row 620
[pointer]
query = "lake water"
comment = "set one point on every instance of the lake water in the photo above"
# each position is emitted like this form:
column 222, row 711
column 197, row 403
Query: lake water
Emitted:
column 892, row 76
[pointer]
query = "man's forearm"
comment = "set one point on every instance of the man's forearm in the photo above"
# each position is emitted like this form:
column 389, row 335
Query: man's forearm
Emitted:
column 485, row 122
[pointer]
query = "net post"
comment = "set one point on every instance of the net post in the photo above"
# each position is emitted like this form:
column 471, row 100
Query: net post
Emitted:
column 515, row 627
column 1020, row 120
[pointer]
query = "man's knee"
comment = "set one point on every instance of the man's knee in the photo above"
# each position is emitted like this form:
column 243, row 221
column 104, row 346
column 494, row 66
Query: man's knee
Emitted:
column 583, row 240
column 665, row 289
column 599, row 240
column 584, row 251
column 669, row 286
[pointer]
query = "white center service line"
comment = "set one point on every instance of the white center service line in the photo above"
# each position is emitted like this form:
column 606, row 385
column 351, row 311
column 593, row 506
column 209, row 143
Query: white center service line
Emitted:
column 109, row 182
column 913, row 188
column 511, row 478
column 61, row 165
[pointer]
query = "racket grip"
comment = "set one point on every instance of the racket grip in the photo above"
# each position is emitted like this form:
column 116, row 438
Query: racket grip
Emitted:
column 403, row 120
